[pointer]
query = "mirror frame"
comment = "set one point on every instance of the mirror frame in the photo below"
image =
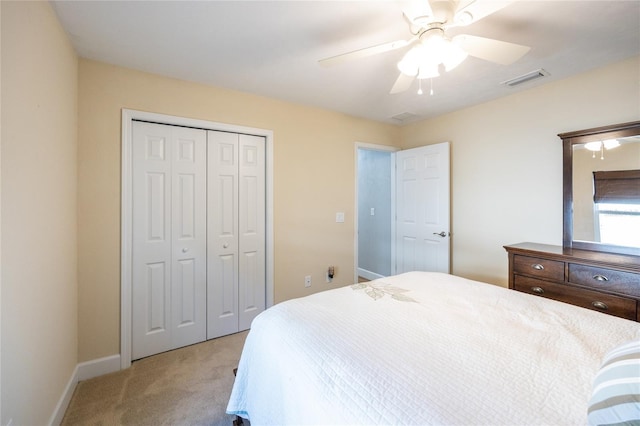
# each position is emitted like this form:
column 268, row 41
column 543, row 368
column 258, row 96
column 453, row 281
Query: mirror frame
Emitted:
column 570, row 139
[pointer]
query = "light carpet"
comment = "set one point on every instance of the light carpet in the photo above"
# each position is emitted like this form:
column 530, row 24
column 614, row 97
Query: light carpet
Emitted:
column 187, row 386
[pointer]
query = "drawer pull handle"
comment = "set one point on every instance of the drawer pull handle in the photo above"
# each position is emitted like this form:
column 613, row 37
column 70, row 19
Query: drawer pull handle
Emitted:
column 537, row 267
column 599, row 277
column 537, row 290
column 600, row 305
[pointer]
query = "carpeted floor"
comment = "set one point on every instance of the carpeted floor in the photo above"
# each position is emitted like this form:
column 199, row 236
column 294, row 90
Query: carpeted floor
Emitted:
column 187, row 386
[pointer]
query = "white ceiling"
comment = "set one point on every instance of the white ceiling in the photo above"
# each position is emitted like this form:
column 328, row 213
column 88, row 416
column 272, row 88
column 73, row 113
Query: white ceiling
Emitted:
column 272, row 48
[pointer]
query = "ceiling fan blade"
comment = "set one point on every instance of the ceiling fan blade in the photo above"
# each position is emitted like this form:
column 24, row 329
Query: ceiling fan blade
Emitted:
column 417, row 14
column 402, row 83
column 367, row 51
column 414, row 28
column 477, row 9
column 491, row 50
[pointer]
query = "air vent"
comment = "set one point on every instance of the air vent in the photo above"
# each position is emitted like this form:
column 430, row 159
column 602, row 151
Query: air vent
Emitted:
column 405, row 116
column 526, row 77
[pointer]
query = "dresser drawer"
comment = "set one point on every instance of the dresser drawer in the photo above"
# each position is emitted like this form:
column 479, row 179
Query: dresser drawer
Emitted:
column 602, row 302
column 605, row 279
column 537, row 267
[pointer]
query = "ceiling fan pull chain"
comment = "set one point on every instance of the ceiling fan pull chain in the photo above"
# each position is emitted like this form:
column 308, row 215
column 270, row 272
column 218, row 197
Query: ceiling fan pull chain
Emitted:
column 431, row 92
column 419, row 87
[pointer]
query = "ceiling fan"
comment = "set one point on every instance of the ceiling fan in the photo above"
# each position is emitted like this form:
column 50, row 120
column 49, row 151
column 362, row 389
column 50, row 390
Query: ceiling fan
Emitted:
column 428, row 22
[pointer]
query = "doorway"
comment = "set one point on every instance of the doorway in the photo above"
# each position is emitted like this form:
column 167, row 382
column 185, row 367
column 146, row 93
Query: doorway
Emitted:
column 374, row 246
column 402, row 210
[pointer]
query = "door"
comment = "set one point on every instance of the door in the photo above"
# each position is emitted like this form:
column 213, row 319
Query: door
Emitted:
column 169, row 238
column 252, row 230
column 422, row 209
column 236, row 232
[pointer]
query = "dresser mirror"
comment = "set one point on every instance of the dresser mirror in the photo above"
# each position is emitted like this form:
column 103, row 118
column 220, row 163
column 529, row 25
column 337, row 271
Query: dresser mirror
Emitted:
column 601, row 187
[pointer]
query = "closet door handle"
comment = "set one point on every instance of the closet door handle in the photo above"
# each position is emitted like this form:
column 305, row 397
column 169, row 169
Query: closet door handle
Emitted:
column 184, row 250
column 225, row 245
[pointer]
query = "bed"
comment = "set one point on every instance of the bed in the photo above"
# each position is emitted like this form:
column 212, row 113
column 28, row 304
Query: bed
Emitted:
column 424, row 348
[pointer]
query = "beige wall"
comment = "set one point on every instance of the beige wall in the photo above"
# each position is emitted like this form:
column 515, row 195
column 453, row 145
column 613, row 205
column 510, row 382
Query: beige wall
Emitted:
column 39, row 279
column 313, row 179
column 506, row 161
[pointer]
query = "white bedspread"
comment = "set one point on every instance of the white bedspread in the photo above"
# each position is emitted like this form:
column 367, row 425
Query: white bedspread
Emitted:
column 423, row 348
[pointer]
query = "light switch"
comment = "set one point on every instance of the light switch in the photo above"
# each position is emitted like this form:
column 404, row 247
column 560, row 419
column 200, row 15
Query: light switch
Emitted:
column 340, row 217
column 373, row 211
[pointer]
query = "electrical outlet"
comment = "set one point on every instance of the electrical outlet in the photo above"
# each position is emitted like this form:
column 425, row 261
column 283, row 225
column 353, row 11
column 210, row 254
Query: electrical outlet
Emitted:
column 330, row 273
column 307, row 281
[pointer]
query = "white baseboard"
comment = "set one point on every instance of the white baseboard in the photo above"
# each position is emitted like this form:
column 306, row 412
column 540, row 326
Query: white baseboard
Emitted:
column 83, row 371
column 98, row 367
column 368, row 274
column 65, row 399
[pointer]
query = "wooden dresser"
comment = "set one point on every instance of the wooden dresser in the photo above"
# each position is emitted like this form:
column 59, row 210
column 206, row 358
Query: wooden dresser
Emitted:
column 604, row 282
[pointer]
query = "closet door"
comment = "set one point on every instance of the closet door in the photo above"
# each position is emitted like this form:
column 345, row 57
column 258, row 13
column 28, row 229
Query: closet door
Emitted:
column 169, row 238
column 252, row 278
column 222, row 234
column 236, row 232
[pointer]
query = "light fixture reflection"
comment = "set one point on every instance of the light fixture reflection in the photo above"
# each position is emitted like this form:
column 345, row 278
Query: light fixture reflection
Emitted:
column 601, row 146
column 593, row 146
column 611, row 143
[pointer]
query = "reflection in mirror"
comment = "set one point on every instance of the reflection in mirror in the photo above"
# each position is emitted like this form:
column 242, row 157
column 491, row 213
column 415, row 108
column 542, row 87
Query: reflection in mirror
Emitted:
column 609, row 173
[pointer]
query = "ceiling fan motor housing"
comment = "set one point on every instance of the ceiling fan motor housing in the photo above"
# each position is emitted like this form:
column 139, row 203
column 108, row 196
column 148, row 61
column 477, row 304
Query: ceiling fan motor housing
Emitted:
column 434, row 31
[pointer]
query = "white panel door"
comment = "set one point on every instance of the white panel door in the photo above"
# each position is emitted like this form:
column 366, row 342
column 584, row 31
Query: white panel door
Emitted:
column 236, row 232
column 189, row 236
column 251, row 232
column 422, row 209
column 222, row 234
column 169, row 238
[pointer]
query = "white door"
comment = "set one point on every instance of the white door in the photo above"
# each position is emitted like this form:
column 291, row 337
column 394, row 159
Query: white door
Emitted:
column 252, row 230
column 422, row 209
column 236, row 232
column 169, row 238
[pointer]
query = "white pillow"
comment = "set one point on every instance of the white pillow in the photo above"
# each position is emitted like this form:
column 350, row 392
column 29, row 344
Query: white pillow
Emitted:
column 615, row 399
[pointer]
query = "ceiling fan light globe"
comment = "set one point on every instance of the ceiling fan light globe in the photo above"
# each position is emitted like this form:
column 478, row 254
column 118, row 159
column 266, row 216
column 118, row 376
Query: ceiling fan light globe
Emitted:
column 407, row 68
column 411, row 61
column 453, row 57
column 435, row 45
column 428, row 71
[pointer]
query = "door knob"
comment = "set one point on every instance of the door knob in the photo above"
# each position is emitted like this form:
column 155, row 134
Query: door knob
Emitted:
column 225, row 245
column 442, row 234
column 184, row 250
